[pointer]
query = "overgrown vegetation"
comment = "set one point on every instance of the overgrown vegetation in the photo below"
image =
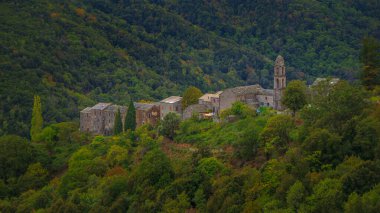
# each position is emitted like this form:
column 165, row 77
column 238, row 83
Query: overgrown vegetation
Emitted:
column 76, row 53
column 324, row 158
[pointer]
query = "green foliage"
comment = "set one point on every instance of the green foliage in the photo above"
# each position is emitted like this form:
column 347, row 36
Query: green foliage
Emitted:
column 154, row 170
column 370, row 58
column 181, row 204
column 130, row 118
column 15, row 155
column 333, row 106
column 118, row 125
column 330, row 146
column 190, row 96
column 34, row 177
column 239, row 110
column 295, row 196
column 369, row 202
column 209, row 167
column 362, row 177
column 276, row 135
column 37, row 120
column 295, row 95
column 170, row 124
column 327, row 196
column 80, row 53
column 117, row 155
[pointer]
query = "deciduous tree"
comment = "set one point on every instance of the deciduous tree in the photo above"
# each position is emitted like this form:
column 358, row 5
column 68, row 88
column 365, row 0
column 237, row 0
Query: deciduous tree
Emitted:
column 191, row 96
column 295, row 96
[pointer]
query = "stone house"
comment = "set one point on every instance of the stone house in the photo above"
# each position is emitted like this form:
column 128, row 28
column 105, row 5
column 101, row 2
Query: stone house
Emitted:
column 254, row 95
column 250, row 95
column 100, row 119
column 147, row 113
column 171, row 104
column 211, row 101
column 195, row 110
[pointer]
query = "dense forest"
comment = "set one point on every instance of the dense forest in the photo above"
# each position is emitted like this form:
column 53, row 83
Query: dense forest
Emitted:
column 325, row 157
column 322, row 154
column 75, row 53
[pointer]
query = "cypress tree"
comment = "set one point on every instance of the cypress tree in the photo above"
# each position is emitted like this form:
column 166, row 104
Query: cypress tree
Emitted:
column 37, row 120
column 118, row 125
column 130, row 119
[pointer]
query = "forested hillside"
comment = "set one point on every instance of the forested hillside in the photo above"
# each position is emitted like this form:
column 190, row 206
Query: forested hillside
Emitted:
column 323, row 158
column 74, row 53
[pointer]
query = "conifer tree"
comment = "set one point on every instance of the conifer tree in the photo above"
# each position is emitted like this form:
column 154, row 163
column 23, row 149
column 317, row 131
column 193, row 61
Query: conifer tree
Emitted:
column 37, row 120
column 118, row 125
column 130, row 119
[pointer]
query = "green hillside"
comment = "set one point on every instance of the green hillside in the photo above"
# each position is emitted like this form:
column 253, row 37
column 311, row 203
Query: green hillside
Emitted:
column 74, row 53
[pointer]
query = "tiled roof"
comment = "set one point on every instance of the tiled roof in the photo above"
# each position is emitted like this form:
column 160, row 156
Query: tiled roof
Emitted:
column 86, row 110
column 172, row 99
column 269, row 92
column 143, row 106
column 197, row 108
column 114, row 108
column 101, row 106
column 208, row 96
column 280, row 61
column 246, row 89
column 331, row 80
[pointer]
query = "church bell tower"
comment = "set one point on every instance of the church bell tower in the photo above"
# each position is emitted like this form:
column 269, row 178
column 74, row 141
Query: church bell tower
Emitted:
column 279, row 82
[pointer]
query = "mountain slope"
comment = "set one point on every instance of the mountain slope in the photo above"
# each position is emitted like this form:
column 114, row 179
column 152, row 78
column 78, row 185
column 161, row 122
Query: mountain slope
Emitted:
column 76, row 53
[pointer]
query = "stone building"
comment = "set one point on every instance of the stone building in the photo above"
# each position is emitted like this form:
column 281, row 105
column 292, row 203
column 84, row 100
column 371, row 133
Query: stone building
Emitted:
column 279, row 83
column 100, row 119
column 171, row 104
column 198, row 110
column 211, row 101
column 254, row 95
column 147, row 113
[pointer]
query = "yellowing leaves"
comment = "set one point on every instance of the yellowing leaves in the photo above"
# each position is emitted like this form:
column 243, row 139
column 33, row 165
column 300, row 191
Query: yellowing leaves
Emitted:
column 80, row 12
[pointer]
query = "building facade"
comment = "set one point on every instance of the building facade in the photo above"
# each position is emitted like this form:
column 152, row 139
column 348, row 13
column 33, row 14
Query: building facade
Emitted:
column 279, row 83
column 198, row 110
column 147, row 114
column 100, row 119
column 171, row 104
column 256, row 96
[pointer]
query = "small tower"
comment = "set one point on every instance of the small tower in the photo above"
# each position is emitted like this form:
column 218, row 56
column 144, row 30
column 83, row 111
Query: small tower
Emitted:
column 279, row 82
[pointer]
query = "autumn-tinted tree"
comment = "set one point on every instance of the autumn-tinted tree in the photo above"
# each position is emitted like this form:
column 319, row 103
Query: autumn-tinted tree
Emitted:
column 118, row 125
column 130, row 118
column 190, row 96
column 370, row 58
column 37, row 120
column 295, row 95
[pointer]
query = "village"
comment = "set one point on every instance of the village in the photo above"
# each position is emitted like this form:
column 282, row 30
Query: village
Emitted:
column 99, row 119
